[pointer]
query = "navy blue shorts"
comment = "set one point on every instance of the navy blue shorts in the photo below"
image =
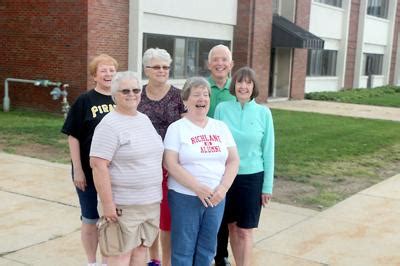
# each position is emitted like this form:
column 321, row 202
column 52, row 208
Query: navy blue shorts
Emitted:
column 88, row 202
column 243, row 200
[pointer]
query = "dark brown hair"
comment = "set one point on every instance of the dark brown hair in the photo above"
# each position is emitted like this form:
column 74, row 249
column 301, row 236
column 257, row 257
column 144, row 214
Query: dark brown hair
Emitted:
column 242, row 74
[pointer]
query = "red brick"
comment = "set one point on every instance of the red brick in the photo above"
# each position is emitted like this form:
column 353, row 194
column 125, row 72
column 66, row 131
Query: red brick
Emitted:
column 352, row 44
column 50, row 40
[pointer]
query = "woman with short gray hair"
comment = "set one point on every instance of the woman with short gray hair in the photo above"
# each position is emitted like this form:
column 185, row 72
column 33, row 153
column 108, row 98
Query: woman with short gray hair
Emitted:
column 126, row 157
column 162, row 103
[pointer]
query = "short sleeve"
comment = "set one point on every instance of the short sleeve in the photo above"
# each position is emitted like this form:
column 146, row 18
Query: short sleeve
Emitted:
column 75, row 119
column 105, row 142
column 172, row 138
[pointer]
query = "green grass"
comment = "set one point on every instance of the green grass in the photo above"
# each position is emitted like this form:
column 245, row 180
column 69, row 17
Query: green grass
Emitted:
column 38, row 133
column 380, row 96
column 330, row 157
column 305, row 139
column 331, row 154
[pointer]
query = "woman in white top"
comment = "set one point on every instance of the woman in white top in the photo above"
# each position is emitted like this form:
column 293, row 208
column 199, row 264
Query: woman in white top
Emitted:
column 202, row 161
column 125, row 156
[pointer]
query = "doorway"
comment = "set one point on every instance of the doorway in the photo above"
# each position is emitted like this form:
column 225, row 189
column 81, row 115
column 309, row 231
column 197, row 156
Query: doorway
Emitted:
column 280, row 76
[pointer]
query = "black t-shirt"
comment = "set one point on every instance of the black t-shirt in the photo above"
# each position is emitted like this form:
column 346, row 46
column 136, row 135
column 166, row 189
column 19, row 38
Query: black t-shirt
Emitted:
column 83, row 117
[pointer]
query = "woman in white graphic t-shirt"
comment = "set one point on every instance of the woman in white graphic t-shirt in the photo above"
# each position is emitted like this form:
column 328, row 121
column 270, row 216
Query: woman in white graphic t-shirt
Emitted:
column 202, row 161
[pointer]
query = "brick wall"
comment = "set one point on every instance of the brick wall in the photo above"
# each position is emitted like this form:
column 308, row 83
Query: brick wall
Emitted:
column 108, row 24
column 299, row 65
column 252, row 40
column 50, row 40
column 42, row 40
column 394, row 46
column 352, row 44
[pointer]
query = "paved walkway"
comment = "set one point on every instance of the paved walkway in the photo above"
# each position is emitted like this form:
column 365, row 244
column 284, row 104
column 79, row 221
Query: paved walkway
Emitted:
column 342, row 109
column 40, row 225
column 40, row 221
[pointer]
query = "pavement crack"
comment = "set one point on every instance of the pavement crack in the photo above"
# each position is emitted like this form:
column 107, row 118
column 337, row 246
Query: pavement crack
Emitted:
column 38, row 243
column 39, row 198
column 284, row 229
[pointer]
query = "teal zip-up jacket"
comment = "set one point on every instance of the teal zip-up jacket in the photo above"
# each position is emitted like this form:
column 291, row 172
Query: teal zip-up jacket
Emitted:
column 253, row 130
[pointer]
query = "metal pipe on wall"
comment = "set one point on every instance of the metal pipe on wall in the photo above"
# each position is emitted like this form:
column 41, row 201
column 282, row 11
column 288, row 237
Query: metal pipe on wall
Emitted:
column 38, row 82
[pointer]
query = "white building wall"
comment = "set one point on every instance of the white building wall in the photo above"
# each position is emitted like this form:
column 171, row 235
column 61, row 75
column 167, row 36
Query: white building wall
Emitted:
column 315, row 84
column 186, row 18
column 331, row 24
column 376, row 31
column 205, row 10
column 326, row 21
column 376, row 37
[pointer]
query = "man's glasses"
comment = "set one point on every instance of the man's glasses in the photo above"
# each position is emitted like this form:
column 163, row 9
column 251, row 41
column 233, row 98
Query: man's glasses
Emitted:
column 159, row 67
column 128, row 91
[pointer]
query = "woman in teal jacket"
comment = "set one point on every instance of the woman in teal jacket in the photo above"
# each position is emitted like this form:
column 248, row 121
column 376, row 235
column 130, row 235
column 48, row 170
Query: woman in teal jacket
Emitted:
column 252, row 128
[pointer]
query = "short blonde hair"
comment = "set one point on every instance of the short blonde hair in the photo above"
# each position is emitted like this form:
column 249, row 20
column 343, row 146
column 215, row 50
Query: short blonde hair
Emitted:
column 103, row 58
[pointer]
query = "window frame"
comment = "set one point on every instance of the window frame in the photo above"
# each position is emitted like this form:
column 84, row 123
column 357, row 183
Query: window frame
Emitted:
column 193, row 56
column 335, row 3
column 374, row 62
column 322, row 63
column 377, row 10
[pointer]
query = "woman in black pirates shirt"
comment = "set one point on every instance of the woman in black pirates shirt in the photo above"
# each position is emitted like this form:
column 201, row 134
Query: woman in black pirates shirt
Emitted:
column 83, row 117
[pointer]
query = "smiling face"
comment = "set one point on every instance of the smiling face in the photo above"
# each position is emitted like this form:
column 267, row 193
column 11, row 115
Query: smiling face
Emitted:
column 198, row 101
column 127, row 102
column 244, row 89
column 104, row 75
column 220, row 63
column 157, row 71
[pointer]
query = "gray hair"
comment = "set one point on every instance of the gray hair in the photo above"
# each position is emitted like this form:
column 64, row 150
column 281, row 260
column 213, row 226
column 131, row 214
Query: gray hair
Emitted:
column 155, row 53
column 121, row 76
column 194, row 82
column 210, row 54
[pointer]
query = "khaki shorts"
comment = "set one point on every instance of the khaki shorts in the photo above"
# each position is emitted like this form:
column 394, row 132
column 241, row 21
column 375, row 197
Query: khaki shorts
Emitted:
column 140, row 224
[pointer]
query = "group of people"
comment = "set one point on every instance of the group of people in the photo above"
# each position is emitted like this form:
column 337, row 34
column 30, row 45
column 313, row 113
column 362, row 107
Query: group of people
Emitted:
column 189, row 167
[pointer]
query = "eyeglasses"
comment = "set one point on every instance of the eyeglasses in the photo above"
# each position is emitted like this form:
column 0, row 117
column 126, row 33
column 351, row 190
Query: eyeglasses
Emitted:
column 159, row 67
column 128, row 91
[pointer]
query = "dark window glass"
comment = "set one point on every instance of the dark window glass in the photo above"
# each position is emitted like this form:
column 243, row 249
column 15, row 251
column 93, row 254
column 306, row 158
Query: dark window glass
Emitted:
column 378, row 8
column 337, row 3
column 321, row 63
column 373, row 64
column 189, row 55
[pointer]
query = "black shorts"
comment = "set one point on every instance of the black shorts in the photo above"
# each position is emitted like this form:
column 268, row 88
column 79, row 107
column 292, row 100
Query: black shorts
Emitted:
column 243, row 200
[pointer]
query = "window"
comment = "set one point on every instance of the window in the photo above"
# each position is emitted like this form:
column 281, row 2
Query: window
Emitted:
column 373, row 64
column 189, row 55
column 321, row 63
column 275, row 6
column 337, row 3
column 378, row 8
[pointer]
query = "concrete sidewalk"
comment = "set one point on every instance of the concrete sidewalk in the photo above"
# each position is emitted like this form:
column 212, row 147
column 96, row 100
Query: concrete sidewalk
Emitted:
column 40, row 223
column 341, row 109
